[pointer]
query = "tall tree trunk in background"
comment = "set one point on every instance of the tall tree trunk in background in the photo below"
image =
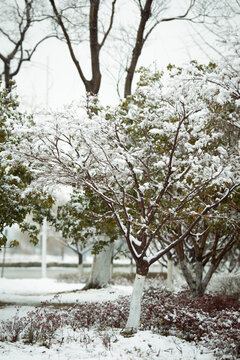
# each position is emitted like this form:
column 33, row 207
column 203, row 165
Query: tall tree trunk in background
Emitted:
column 80, row 266
column 101, row 269
column 170, row 274
column 195, row 279
column 139, row 42
column 93, row 85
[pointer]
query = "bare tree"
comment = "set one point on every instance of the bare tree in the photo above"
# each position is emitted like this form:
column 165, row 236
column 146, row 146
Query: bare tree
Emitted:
column 203, row 34
column 17, row 21
column 150, row 12
column 132, row 37
column 92, row 85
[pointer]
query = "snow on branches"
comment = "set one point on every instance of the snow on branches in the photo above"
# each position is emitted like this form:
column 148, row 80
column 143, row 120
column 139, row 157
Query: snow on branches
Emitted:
column 16, row 201
column 169, row 152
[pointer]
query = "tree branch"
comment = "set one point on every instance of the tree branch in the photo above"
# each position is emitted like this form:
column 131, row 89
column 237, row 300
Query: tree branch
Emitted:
column 194, row 223
column 110, row 25
column 69, row 44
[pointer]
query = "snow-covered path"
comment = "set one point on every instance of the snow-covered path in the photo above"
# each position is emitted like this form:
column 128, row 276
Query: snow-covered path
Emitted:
column 35, row 291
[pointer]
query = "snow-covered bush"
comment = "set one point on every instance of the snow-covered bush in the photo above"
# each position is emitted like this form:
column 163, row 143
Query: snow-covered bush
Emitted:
column 11, row 330
column 213, row 320
column 210, row 320
column 38, row 326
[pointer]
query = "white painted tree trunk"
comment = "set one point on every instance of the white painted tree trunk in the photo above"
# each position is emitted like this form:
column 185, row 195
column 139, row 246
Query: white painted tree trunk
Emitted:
column 133, row 322
column 3, row 260
column 170, row 274
column 111, row 269
column 80, row 271
column 131, row 267
column 44, row 249
column 101, row 268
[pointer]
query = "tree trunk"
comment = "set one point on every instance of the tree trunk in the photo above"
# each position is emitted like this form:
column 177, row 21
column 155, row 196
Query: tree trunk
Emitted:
column 7, row 76
column 44, row 249
column 208, row 276
column 188, row 276
column 199, row 288
column 80, row 265
column 101, row 269
column 111, row 267
column 194, row 279
column 197, row 280
column 131, row 266
column 170, row 274
column 139, row 42
column 135, row 304
column 136, row 299
column 93, row 85
column 62, row 252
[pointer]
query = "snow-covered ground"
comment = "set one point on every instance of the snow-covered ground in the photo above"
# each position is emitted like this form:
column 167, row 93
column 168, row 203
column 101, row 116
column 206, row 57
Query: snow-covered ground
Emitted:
column 23, row 294
column 91, row 345
column 35, row 291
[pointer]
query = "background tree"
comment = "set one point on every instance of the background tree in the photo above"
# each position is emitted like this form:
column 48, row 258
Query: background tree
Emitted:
column 205, row 248
column 105, row 33
column 216, row 236
column 16, row 35
column 231, row 261
column 95, row 30
column 203, row 34
column 85, row 225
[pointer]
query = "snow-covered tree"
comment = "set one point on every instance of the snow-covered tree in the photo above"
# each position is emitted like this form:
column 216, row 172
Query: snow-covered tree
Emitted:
column 16, row 201
column 206, row 246
column 151, row 159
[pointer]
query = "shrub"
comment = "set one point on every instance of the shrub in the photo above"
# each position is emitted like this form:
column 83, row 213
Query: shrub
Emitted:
column 101, row 315
column 212, row 320
column 12, row 329
column 42, row 326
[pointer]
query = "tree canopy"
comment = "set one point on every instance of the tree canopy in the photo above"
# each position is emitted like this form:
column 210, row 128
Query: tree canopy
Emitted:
column 151, row 158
